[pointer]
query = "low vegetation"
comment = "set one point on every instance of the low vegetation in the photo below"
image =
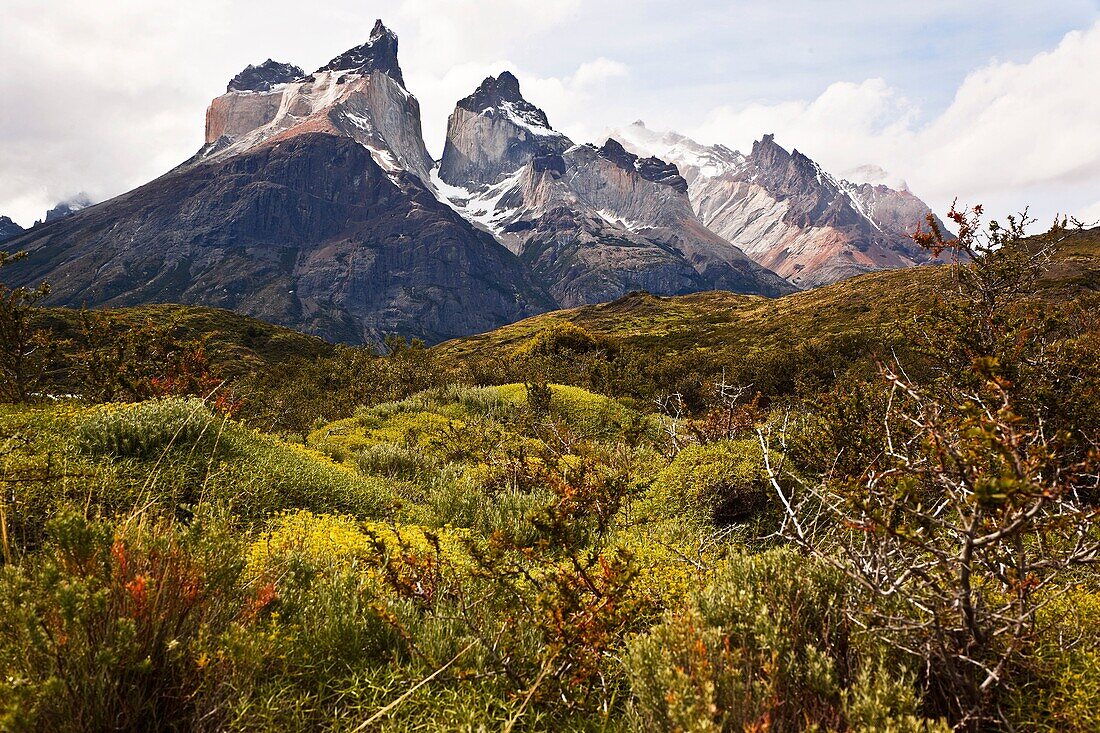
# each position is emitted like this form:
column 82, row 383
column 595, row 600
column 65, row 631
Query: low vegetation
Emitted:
column 870, row 507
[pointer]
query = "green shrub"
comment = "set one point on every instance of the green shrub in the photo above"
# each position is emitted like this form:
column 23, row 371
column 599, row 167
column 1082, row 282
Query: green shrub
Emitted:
column 260, row 476
column 766, row 645
column 559, row 339
column 724, row 481
column 146, row 429
column 1062, row 682
column 179, row 454
column 396, row 462
column 586, row 413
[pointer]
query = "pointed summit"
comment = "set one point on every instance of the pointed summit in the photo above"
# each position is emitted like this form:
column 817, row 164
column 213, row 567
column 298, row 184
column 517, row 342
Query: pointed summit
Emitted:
column 379, row 53
column 380, row 30
column 9, row 228
column 503, row 93
column 651, row 168
column 495, row 131
column 614, row 151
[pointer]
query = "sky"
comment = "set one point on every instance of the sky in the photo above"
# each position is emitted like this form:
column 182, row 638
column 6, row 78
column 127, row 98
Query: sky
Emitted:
column 992, row 102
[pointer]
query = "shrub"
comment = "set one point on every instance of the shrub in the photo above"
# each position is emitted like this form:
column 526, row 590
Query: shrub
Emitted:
column 146, row 429
column 262, row 476
column 101, row 631
column 587, row 413
column 396, row 462
column 1063, row 692
column 560, row 339
column 724, row 481
column 181, row 455
column 765, row 646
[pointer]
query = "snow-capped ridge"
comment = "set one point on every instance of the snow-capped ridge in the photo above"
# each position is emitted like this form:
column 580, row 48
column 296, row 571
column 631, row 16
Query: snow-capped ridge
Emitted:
column 786, row 211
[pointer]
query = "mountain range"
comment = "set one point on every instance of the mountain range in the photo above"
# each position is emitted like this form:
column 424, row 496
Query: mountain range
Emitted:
column 314, row 203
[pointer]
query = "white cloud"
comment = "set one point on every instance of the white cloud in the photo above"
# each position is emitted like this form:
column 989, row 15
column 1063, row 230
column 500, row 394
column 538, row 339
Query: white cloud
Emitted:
column 1090, row 215
column 1014, row 134
column 597, row 72
column 476, row 30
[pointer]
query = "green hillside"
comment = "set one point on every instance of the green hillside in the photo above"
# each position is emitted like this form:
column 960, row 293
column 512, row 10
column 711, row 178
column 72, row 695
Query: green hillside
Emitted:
column 235, row 342
column 867, row 305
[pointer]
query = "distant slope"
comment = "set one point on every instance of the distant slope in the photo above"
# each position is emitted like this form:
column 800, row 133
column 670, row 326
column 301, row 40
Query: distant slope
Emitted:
column 236, row 343
column 866, row 305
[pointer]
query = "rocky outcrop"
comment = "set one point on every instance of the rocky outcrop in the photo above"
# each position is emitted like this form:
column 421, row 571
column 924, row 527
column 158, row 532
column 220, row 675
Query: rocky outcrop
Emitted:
column 9, row 228
column 788, row 214
column 265, row 77
column 309, row 232
column 494, row 132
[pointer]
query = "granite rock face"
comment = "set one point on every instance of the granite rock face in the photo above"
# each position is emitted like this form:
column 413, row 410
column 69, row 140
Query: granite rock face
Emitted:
column 787, row 213
column 493, row 132
column 310, row 233
column 360, row 95
column 593, row 223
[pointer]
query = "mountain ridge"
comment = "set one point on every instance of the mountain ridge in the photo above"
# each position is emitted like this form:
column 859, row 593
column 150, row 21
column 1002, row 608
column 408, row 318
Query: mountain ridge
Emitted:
column 786, row 212
column 514, row 219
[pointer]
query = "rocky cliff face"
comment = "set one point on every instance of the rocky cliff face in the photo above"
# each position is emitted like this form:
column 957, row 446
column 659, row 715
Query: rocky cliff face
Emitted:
column 9, row 228
column 493, row 132
column 593, row 223
column 788, row 214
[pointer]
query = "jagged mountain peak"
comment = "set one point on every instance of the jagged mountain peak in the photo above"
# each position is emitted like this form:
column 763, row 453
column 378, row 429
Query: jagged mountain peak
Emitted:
column 787, row 212
column 9, row 228
column 501, row 95
column 264, row 77
column 380, row 30
column 360, row 94
column 766, row 151
column 379, row 53
column 495, row 131
column 492, row 91
column 614, row 151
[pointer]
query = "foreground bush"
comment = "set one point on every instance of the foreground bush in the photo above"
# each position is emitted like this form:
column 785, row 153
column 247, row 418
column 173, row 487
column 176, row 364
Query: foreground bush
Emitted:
column 176, row 453
column 104, row 629
column 147, row 429
column 765, row 646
